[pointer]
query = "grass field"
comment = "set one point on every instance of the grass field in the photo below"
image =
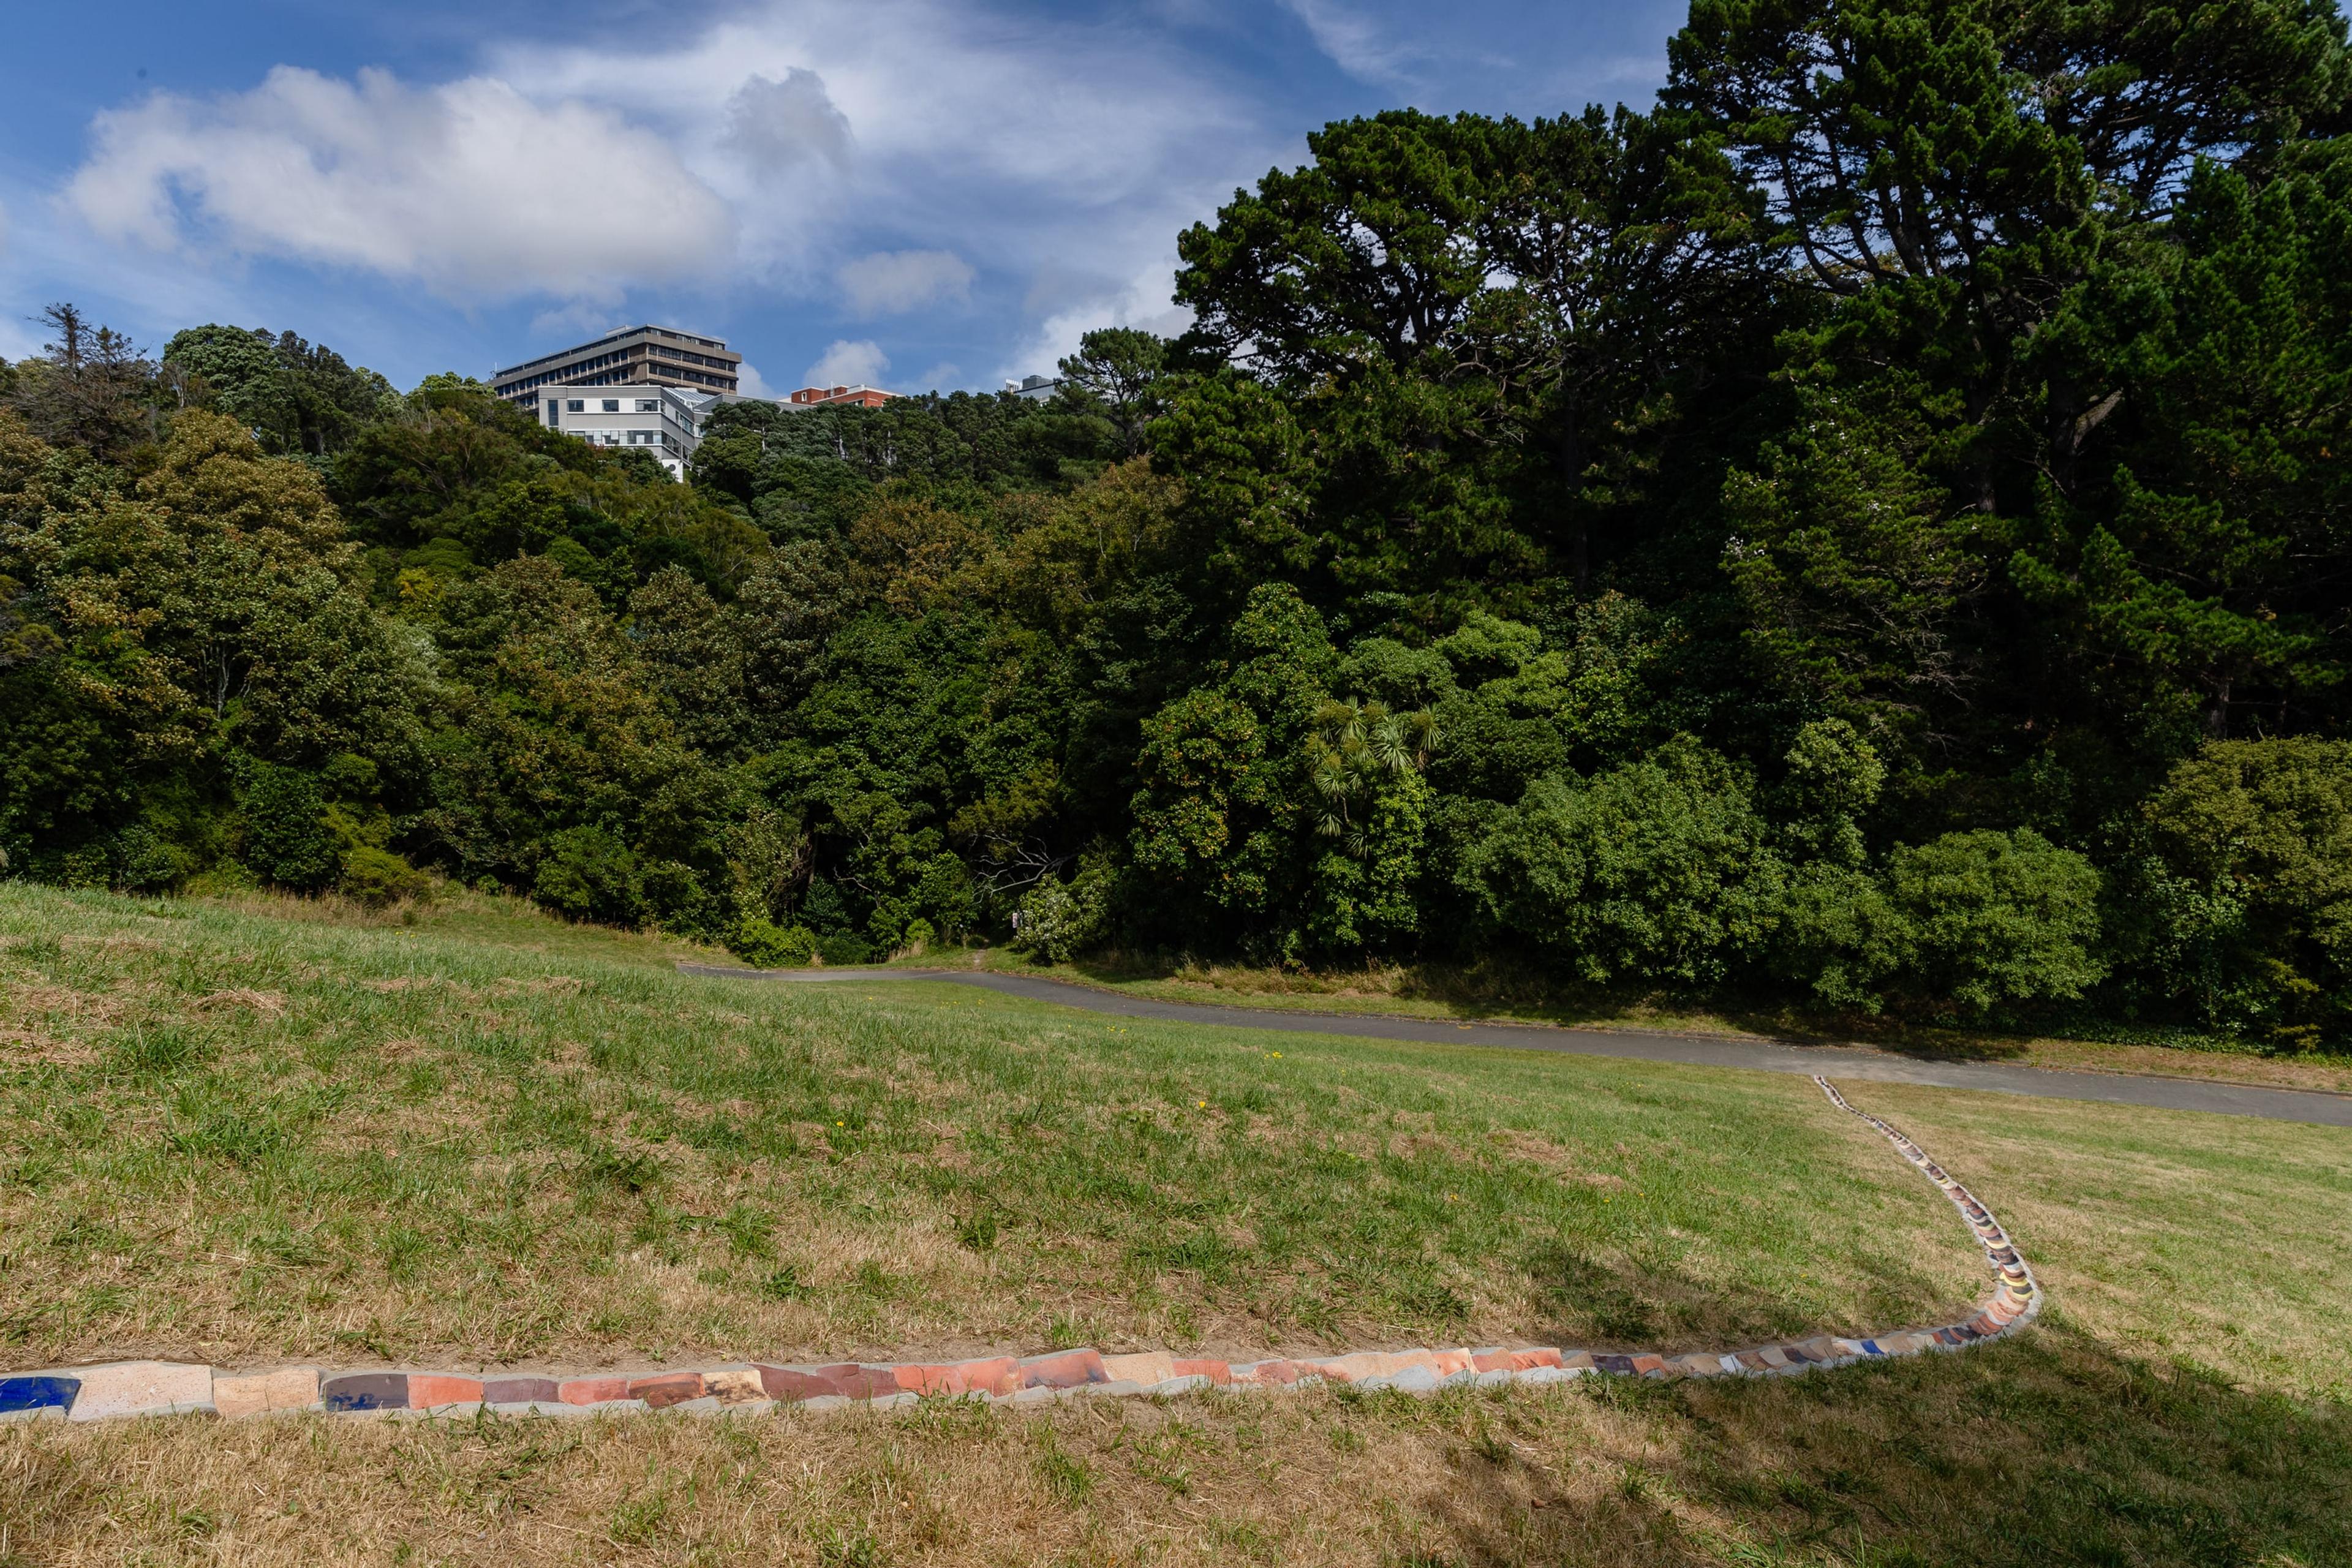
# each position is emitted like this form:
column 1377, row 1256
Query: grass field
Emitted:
column 1511, row 994
column 269, row 1132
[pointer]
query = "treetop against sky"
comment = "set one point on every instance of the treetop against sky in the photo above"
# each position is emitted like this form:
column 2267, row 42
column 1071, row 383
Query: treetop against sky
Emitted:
column 912, row 193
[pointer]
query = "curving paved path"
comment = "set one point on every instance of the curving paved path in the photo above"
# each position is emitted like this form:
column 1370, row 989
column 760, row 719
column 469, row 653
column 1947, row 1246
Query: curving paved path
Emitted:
column 122, row 1390
column 1848, row 1062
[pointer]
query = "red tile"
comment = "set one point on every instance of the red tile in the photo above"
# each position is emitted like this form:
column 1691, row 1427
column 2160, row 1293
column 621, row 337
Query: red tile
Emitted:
column 428, row 1390
column 593, row 1390
column 791, row 1382
column 1216, row 1371
column 667, row 1389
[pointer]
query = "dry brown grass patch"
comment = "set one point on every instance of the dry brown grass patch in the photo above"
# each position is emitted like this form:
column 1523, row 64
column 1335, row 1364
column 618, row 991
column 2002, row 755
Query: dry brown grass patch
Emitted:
column 268, row 1004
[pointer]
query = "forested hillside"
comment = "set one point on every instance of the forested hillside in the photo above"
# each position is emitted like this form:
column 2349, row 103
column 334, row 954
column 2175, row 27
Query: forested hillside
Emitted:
column 1872, row 529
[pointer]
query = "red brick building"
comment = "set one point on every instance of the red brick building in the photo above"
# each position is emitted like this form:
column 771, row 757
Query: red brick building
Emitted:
column 862, row 397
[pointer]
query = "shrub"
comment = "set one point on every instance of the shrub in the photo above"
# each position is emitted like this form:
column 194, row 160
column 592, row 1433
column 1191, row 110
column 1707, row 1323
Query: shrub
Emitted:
column 588, row 874
column 1838, row 936
column 762, row 944
column 287, row 837
column 146, row 862
column 1994, row 918
column 1657, row 871
column 919, row 935
column 2254, row 905
column 841, row 947
column 379, row 877
column 1059, row 919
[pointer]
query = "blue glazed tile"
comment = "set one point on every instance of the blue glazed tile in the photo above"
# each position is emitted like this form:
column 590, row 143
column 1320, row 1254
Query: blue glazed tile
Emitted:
column 366, row 1391
column 38, row 1394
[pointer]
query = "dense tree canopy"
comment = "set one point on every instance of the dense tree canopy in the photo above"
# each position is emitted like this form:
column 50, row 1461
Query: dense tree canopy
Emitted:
column 1869, row 530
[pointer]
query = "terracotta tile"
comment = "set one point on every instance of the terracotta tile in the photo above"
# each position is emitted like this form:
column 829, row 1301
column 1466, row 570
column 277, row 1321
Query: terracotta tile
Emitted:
column 429, row 1391
column 593, row 1390
column 791, row 1383
column 853, row 1381
column 1216, row 1371
column 1350, row 1368
column 666, row 1389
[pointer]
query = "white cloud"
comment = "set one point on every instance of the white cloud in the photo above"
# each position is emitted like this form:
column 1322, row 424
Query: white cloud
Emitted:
column 940, row 377
column 776, row 124
column 891, row 282
column 1035, row 143
column 1142, row 302
column 472, row 188
column 751, row 383
column 847, row 364
column 1352, row 43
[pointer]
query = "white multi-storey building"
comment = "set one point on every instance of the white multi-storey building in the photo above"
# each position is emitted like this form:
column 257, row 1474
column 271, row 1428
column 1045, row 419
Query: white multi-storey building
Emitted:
column 664, row 420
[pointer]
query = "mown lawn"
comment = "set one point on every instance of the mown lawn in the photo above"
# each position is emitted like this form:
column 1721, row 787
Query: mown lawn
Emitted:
column 1510, row 993
column 243, row 1137
column 247, row 1134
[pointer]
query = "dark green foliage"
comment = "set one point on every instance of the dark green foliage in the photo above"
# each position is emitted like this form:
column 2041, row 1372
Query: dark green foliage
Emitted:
column 1657, row 872
column 1994, row 919
column 2253, row 888
column 763, row 944
column 295, row 396
column 588, row 874
column 286, row 835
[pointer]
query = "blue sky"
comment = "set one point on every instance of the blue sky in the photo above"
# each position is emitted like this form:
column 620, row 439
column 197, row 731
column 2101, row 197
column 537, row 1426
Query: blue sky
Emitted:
column 916, row 194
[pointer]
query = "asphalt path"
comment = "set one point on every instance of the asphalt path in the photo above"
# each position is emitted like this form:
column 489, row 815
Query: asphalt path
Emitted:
column 1852, row 1062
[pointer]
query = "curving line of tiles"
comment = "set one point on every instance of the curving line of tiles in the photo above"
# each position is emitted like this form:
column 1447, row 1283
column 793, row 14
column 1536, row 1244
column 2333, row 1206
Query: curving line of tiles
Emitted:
column 125, row 1389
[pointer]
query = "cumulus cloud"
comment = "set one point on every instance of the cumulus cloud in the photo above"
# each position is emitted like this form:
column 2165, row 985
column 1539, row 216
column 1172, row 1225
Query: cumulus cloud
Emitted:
column 847, row 364
column 751, row 383
column 470, row 189
column 1033, row 140
column 890, row 282
column 1140, row 302
column 776, row 124
column 1351, row 42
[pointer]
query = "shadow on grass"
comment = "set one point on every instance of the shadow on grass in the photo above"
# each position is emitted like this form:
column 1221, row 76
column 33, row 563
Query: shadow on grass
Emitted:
column 2052, row 1448
column 1504, row 991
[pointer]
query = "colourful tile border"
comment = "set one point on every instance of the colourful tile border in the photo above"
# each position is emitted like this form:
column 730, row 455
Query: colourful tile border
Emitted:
column 126, row 1389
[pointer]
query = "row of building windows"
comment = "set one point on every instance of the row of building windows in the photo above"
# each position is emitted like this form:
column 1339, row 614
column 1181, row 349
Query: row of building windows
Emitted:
column 661, row 438
column 685, row 375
